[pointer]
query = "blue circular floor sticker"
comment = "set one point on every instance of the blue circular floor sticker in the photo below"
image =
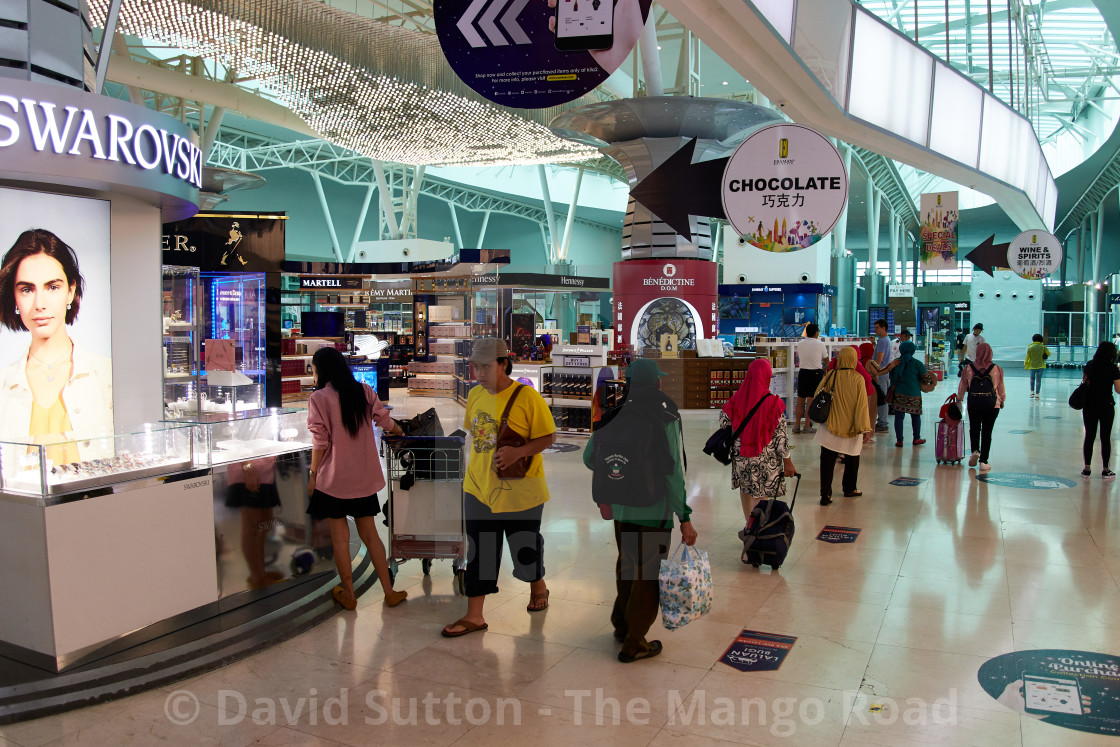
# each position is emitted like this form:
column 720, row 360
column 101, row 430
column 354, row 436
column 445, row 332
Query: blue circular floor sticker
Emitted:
column 533, row 54
column 1075, row 689
column 1025, row 480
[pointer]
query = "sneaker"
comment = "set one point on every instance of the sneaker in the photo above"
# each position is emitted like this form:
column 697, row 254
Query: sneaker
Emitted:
column 973, row 458
column 898, row 443
column 919, row 441
column 1086, row 472
column 1108, row 474
column 882, row 429
column 808, row 429
column 985, row 467
column 796, row 429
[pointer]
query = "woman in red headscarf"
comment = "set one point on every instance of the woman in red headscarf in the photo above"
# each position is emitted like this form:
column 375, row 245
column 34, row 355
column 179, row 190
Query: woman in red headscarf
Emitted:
column 760, row 456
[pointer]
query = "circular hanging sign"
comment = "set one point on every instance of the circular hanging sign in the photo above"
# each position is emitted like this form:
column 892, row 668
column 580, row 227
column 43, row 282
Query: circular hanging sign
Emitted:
column 1074, row 689
column 1034, row 254
column 784, row 187
column 533, row 54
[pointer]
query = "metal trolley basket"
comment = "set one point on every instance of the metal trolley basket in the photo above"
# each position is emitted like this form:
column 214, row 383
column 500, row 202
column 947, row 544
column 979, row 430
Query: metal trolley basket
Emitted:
column 425, row 502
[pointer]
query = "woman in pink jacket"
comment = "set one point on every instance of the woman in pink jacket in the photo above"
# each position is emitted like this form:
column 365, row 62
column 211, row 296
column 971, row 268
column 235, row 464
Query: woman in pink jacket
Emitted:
column 982, row 380
column 345, row 468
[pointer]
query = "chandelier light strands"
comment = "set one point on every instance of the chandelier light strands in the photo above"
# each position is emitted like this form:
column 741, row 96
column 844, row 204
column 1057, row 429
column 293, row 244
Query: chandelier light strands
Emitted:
column 380, row 90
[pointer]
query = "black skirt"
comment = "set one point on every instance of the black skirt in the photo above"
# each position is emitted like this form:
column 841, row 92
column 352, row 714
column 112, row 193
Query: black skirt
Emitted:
column 239, row 496
column 323, row 506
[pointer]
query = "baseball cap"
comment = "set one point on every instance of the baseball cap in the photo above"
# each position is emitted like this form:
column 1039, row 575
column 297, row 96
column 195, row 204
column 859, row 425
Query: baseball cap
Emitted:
column 643, row 371
column 488, row 350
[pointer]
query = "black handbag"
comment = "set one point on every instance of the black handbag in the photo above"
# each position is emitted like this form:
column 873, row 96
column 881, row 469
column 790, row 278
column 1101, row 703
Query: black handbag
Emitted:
column 719, row 443
column 822, row 403
column 423, row 424
column 1079, row 397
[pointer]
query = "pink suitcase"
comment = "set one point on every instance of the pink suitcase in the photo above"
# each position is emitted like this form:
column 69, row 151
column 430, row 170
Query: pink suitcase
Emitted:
column 950, row 441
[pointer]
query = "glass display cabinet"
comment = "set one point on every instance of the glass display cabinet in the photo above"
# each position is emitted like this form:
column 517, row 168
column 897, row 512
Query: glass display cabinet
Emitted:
column 43, row 470
column 181, row 339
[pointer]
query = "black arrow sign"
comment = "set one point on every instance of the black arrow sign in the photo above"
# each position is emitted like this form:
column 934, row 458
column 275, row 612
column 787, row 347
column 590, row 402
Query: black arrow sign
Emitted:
column 988, row 256
column 679, row 188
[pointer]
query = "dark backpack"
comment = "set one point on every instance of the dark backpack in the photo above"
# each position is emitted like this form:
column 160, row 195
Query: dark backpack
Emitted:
column 982, row 388
column 631, row 458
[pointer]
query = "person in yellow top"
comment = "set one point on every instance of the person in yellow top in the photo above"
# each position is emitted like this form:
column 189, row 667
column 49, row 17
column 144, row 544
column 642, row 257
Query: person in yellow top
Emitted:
column 1037, row 353
column 495, row 506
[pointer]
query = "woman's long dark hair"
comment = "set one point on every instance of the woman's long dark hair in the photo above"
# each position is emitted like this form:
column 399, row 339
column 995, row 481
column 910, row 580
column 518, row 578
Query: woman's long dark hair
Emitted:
column 331, row 368
column 1105, row 355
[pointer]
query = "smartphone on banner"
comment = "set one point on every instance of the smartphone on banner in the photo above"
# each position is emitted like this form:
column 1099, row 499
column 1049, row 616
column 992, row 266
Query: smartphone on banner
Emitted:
column 584, row 24
column 1046, row 694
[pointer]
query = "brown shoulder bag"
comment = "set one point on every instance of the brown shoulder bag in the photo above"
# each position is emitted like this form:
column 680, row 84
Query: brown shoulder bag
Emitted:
column 509, row 437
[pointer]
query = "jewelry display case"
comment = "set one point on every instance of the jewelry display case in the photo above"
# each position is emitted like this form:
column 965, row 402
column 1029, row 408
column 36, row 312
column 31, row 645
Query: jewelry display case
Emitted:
column 181, row 338
column 48, row 470
column 251, row 434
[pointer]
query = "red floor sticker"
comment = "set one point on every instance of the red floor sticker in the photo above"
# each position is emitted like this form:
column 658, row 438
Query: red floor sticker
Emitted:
column 758, row 652
column 838, row 535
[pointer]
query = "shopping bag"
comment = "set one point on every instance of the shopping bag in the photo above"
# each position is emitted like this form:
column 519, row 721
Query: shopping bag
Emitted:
column 685, row 586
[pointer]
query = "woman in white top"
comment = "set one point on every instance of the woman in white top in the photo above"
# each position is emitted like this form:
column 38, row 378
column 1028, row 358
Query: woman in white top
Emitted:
column 56, row 390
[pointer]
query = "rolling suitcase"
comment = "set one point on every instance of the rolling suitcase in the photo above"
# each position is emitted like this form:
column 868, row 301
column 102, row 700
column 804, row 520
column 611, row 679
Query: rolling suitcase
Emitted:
column 769, row 533
column 950, row 441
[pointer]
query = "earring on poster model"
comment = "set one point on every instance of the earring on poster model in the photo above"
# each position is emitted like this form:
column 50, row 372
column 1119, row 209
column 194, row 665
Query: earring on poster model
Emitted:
column 17, row 312
column 67, row 307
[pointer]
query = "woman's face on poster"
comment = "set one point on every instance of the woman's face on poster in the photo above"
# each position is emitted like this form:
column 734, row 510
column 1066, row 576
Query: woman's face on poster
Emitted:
column 42, row 295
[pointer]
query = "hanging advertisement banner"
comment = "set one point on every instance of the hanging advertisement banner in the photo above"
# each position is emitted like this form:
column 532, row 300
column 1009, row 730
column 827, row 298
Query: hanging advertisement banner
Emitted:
column 939, row 231
column 784, row 187
column 1033, row 255
column 532, row 54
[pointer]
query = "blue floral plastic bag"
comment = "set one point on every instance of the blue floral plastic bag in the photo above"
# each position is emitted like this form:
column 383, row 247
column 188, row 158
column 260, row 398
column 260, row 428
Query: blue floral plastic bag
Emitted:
column 685, row 587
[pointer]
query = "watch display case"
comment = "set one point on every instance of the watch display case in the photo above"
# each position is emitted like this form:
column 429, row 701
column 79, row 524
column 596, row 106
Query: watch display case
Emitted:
column 65, row 466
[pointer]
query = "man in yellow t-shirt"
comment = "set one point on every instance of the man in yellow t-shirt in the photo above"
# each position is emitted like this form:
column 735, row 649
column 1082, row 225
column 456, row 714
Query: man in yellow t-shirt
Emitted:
column 494, row 506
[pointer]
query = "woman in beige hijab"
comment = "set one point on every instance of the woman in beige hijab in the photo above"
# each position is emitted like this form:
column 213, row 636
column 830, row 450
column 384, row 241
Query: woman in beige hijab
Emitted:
column 847, row 422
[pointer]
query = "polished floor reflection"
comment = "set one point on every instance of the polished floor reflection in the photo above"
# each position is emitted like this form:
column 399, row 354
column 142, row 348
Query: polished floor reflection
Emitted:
column 891, row 629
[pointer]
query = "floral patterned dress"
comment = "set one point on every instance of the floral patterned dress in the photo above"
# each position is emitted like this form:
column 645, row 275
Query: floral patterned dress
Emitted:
column 762, row 476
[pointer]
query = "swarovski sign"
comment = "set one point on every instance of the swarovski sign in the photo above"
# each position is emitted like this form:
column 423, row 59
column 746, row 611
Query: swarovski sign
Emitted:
column 75, row 132
column 55, row 134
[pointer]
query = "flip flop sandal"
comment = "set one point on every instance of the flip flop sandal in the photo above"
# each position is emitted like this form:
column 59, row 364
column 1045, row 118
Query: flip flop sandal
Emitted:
column 467, row 627
column 340, row 597
column 535, row 599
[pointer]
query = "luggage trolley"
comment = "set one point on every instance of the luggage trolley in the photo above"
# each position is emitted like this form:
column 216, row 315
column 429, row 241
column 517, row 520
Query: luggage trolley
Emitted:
column 425, row 502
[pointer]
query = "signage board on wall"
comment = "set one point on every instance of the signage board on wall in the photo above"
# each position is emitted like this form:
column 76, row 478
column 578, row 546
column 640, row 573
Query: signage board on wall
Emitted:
column 900, row 290
column 529, row 56
column 938, row 231
column 784, row 187
column 1033, row 255
column 330, row 283
column 654, row 297
column 68, row 136
column 228, row 242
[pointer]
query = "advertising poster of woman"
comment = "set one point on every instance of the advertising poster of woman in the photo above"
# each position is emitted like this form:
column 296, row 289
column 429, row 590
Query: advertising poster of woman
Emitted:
column 56, row 377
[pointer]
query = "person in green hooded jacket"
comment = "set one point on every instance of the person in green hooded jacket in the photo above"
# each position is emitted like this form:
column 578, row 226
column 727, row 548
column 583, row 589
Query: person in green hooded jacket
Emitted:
column 643, row 534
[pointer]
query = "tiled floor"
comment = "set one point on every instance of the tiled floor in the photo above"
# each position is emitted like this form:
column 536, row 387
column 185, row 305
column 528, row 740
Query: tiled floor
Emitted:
column 943, row 576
